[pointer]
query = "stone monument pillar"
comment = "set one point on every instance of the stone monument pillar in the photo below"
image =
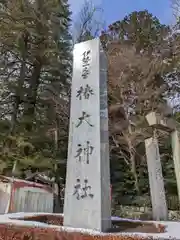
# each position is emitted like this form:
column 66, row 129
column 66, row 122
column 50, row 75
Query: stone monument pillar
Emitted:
column 87, row 194
column 176, row 157
column 158, row 198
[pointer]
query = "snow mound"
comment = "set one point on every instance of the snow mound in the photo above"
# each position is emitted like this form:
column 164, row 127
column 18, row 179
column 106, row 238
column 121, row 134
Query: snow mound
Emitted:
column 172, row 228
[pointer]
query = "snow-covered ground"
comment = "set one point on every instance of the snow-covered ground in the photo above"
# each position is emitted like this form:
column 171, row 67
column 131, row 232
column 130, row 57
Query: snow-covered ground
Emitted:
column 172, row 228
column 29, row 214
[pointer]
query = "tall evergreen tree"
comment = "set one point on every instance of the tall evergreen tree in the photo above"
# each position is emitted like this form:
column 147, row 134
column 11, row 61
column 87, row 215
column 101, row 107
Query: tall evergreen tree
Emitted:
column 35, row 69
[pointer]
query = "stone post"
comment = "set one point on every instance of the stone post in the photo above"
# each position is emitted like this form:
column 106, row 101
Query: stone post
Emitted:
column 157, row 191
column 87, row 193
column 176, row 157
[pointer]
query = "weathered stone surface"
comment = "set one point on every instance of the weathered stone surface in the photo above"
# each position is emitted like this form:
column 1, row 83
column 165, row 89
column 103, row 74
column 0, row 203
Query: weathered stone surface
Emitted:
column 176, row 157
column 158, row 198
column 157, row 120
column 87, row 194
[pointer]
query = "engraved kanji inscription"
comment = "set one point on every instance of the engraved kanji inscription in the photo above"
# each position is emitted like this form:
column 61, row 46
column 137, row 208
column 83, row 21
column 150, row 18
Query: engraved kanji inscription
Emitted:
column 82, row 191
column 86, row 64
column 84, row 118
column 85, row 92
column 83, row 153
column 88, row 150
column 79, row 153
column 77, row 189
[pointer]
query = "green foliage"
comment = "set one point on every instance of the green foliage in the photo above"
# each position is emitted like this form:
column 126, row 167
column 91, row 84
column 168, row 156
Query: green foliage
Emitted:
column 35, row 71
column 141, row 29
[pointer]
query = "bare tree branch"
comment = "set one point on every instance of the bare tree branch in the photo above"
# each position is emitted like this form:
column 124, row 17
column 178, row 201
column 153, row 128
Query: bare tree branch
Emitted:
column 88, row 23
